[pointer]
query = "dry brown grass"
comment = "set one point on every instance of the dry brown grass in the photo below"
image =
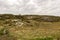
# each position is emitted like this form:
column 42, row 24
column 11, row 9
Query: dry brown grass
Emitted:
column 30, row 29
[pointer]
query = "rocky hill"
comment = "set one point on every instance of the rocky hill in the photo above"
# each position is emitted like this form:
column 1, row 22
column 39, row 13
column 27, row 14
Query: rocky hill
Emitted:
column 40, row 18
column 29, row 27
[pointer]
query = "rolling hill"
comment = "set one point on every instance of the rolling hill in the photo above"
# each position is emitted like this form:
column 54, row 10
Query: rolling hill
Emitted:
column 29, row 27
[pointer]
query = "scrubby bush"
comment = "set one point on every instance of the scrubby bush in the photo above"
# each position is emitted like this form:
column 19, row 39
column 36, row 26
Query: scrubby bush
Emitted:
column 4, row 31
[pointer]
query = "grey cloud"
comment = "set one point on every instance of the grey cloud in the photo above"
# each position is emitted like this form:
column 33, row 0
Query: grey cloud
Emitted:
column 46, row 7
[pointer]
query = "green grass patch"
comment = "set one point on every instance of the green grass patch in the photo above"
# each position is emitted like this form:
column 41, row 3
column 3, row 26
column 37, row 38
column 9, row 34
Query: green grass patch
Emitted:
column 47, row 38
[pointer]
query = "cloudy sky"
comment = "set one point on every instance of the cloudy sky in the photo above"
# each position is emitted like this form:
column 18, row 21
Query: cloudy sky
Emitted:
column 44, row 7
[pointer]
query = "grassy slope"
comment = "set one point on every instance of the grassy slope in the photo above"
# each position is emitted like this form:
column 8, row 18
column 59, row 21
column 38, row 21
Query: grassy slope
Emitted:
column 17, row 27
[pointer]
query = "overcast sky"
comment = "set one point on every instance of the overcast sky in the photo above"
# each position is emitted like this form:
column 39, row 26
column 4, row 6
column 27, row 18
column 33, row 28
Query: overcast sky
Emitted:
column 45, row 7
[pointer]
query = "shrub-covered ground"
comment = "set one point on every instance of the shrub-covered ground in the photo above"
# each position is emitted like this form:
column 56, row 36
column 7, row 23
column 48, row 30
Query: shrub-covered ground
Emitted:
column 29, row 27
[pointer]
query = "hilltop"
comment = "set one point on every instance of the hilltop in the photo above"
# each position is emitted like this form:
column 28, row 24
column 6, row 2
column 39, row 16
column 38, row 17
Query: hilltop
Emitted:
column 43, row 18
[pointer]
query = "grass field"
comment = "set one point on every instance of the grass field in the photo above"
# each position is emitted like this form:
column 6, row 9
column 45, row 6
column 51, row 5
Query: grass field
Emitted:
column 17, row 27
